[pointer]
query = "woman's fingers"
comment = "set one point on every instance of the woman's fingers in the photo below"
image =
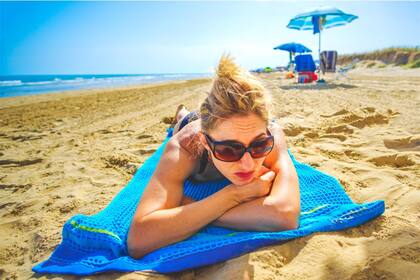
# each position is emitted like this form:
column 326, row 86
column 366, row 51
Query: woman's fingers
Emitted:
column 268, row 176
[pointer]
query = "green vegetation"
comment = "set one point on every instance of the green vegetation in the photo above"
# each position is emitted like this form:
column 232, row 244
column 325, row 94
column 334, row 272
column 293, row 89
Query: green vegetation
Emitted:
column 414, row 64
column 386, row 50
column 371, row 64
column 408, row 57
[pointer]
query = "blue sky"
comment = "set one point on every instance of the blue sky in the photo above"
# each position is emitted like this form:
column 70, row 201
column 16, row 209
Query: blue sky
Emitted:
column 182, row 37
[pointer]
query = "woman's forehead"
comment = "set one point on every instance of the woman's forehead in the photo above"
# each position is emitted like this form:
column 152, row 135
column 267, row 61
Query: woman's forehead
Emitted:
column 243, row 128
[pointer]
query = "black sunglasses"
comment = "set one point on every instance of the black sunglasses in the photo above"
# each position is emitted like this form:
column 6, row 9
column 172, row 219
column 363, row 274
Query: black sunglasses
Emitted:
column 231, row 150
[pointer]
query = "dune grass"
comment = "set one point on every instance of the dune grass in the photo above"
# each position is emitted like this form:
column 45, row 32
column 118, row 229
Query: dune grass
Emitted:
column 408, row 57
column 414, row 64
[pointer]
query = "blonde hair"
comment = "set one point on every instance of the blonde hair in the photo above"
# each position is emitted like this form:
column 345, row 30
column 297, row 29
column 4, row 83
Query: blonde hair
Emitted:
column 234, row 91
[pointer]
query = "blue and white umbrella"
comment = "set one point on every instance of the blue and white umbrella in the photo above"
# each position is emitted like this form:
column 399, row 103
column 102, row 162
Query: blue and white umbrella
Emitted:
column 293, row 48
column 319, row 19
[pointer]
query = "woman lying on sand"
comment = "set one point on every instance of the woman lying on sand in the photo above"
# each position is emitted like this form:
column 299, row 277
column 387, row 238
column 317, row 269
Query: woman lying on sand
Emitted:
column 230, row 137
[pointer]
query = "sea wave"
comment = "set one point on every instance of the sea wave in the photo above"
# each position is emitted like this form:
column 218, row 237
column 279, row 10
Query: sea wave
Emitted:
column 32, row 85
column 10, row 83
column 40, row 83
column 90, row 80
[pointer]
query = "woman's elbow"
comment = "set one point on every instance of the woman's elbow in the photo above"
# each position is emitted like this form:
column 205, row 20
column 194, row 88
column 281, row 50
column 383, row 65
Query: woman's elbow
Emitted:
column 292, row 220
column 135, row 252
column 288, row 219
column 134, row 247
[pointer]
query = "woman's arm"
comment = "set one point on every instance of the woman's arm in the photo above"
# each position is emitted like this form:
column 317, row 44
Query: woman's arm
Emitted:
column 159, row 220
column 254, row 215
column 167, row 226
column 260, row 214
column 285, row 194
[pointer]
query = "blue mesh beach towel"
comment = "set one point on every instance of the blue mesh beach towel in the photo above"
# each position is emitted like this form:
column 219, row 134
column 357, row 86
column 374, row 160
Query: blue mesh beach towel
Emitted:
column 97, row 243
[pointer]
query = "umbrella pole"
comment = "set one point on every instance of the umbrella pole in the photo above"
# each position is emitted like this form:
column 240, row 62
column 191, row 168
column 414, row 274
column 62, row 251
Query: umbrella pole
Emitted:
column 319, row 46
column 319, row 55
column 290, row 60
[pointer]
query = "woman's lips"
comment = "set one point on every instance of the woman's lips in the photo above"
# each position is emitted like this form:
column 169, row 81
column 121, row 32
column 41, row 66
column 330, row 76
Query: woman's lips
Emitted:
column 244, row 175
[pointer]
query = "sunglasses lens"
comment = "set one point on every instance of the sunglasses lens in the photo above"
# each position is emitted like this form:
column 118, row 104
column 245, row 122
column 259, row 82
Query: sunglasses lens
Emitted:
column 262, row 148
column 228, row 152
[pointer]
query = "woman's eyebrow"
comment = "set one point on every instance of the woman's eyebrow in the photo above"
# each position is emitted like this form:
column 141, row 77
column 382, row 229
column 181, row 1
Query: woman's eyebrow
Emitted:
column 258, row 136
column 233, row 140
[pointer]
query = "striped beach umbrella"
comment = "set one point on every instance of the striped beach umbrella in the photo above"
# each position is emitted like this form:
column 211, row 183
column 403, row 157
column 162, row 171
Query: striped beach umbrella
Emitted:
column 319, row 19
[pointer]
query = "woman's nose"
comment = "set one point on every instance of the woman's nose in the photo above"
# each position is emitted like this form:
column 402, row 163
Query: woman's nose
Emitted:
column 247, row 162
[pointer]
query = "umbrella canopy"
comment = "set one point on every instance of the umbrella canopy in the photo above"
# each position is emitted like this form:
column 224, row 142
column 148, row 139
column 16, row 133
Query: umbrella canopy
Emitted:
column 320, row 18
column 293, row 47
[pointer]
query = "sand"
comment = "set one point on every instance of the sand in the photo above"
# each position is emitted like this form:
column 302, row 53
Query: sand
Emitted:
column 68, row 153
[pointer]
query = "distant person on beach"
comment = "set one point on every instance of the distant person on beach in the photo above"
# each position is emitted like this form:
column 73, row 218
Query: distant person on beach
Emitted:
column 231, row 136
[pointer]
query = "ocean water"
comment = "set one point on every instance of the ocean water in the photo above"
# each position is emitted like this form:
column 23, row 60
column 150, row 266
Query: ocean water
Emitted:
column 18, row 85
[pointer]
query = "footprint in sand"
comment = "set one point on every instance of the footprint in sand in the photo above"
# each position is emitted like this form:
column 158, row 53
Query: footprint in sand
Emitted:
column 293, row 129
column 19, row 163
column 105, row 131
column 146, row 151
column 352, row 154
column 341, row 112
column 115, row 161
column 23, row 138
column 120, row 163
column 368, row 109
column 395, row 160
column 20, row 207
column 340, row 129
column 337, row 132
column 336, row 136
column 5, row 205
column 370, row 120
column 410, row 143
column 344, row 120
column 311, row 135
column 14, row 188
column 144, row 136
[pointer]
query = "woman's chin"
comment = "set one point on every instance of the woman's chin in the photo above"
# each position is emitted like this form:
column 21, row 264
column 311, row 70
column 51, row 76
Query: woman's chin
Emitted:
column 240, row 182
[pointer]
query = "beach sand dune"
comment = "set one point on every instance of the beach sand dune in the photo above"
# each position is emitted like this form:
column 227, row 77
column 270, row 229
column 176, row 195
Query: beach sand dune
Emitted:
column 62, row 154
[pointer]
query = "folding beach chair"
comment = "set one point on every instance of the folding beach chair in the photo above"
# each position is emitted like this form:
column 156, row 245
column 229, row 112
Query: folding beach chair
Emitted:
column 305, row 66
column 328, row 61
column 342, row 71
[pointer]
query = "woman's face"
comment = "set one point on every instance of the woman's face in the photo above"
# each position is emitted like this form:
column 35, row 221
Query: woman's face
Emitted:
column 243, row 129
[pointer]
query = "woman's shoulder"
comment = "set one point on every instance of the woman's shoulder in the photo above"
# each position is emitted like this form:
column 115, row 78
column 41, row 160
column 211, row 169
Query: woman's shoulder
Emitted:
column 189, row 138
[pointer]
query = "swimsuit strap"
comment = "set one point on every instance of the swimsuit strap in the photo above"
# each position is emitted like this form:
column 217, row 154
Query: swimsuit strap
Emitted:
column 203, row 161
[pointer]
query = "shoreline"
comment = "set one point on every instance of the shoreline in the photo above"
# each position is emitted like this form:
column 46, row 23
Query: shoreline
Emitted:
column 22, row 85
column 47, row 96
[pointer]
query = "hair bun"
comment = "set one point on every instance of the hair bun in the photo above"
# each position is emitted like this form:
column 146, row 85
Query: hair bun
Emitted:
column 234, row 91
column 227, row 67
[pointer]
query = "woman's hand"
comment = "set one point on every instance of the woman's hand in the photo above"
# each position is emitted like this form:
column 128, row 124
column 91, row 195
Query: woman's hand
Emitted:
column 259, row 187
